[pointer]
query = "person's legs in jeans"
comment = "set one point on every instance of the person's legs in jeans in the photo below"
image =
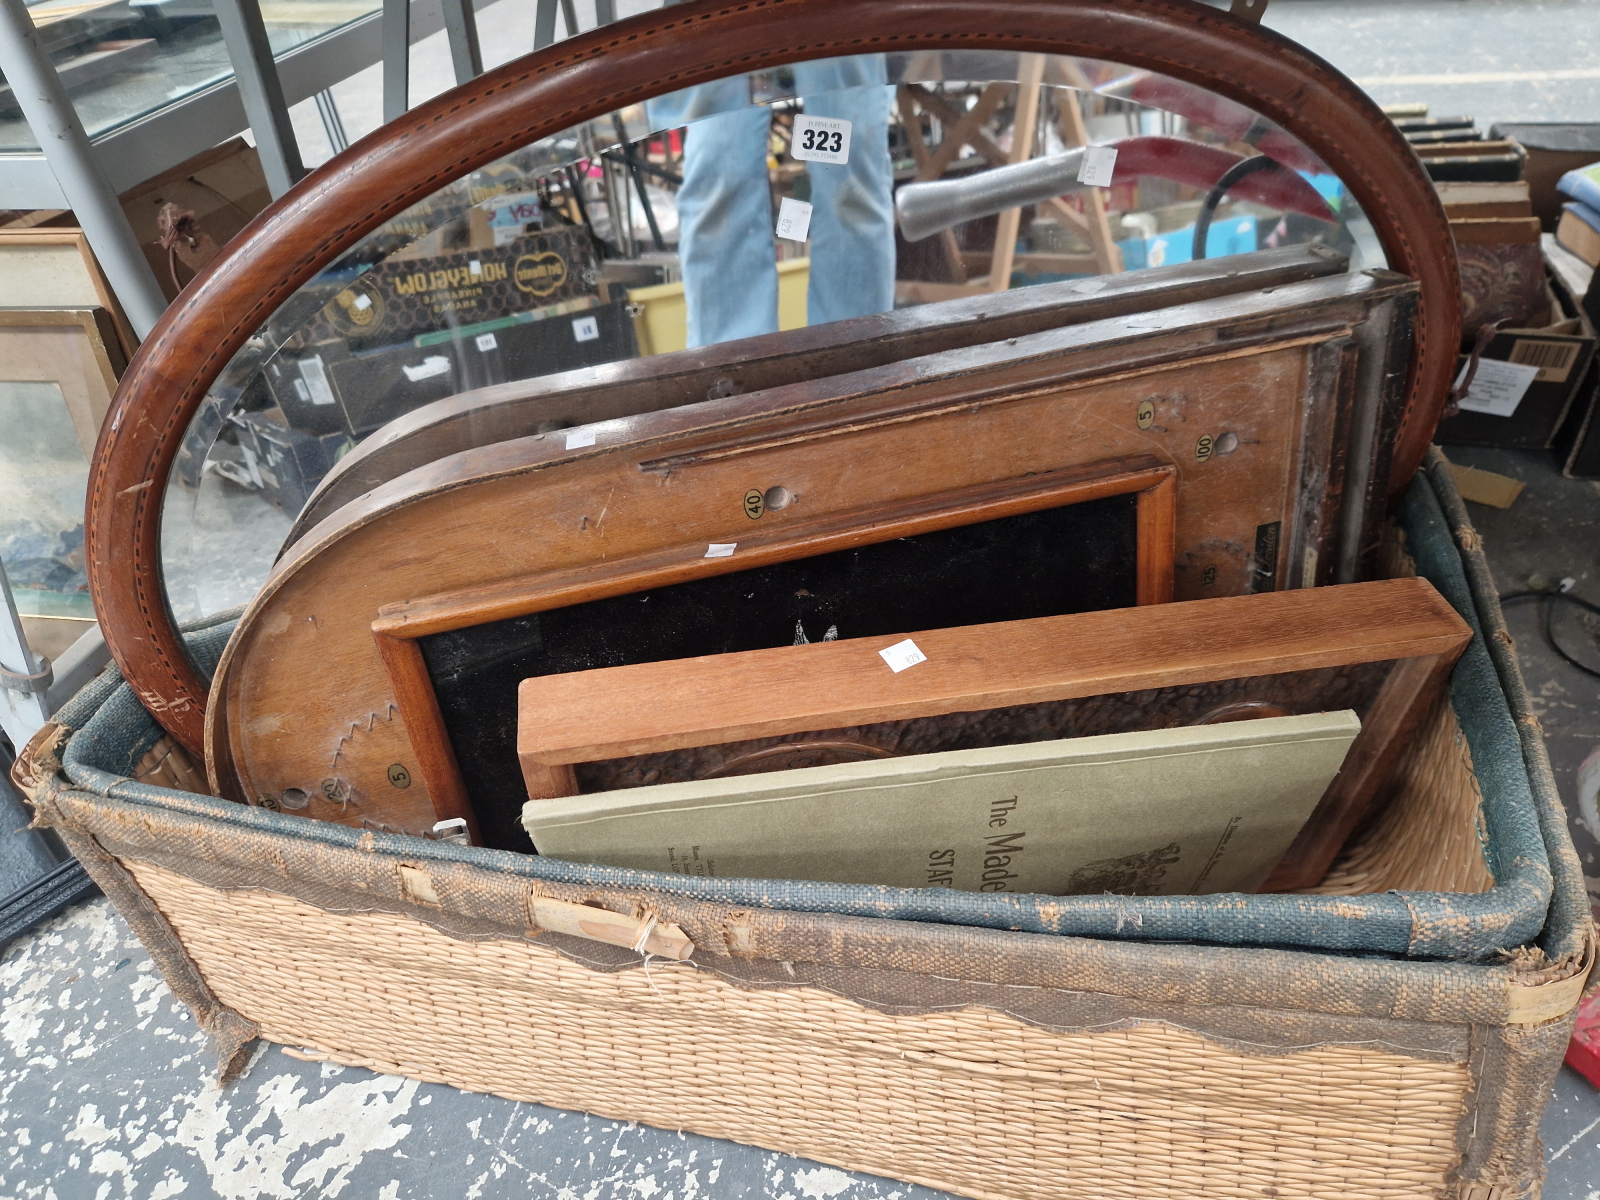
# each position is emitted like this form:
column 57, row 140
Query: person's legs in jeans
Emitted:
column 852, row 222
column 726, row 247
column 725, row 244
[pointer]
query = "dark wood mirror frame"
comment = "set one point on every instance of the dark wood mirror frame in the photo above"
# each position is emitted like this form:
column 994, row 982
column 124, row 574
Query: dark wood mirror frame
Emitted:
column 629, row 62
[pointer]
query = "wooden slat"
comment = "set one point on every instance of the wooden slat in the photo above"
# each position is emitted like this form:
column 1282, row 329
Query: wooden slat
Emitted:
column 1024, row 127
column 585, row 716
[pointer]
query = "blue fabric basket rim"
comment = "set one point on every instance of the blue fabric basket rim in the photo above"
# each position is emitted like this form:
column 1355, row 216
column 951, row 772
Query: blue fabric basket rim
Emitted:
column 112, row 731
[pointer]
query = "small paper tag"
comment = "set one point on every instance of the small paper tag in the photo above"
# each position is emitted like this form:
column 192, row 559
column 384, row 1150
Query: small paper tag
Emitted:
column 820, row 139
column 794, row 219
column 902, row 655
column 315, row 375
column 1498, row 387
column 579, row 438
column 1098, row 166
column 721, row 549
column 434, row 364
column 486, row 342
column 586, row 329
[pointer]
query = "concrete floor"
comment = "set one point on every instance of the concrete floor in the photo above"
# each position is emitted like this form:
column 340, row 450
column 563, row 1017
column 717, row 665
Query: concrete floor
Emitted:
column 105, row 1091
column 1496, row 60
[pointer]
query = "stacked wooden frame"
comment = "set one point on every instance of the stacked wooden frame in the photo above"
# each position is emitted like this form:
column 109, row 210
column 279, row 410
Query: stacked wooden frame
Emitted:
column 1253, row 428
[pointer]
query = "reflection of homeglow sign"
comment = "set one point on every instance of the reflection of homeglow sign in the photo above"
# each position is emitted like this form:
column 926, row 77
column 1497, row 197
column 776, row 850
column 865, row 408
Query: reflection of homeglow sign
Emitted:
column 450, row 277
column 540, row 273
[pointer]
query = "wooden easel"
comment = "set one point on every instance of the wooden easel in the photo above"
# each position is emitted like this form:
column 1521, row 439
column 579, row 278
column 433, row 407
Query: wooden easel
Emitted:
column 966, row 129
column 1093, row 220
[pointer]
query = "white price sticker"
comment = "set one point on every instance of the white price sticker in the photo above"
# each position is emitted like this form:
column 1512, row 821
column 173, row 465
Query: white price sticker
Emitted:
column 434, row 364
column 794, row 219
column 1497, row 388
column 1098, row 166
column 902, row 655
column 315, row 375
column 721, row 549
column 486, row 342
column 821, row 139
column 586, row 329
column 579, row 438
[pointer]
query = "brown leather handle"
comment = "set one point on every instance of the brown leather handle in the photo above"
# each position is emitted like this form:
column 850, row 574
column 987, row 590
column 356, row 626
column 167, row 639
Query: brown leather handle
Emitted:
column 592, row 75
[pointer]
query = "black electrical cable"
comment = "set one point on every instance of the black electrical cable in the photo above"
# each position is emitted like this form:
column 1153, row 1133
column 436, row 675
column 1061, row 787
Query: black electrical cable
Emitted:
column 1547, row 612
column 1208, row 208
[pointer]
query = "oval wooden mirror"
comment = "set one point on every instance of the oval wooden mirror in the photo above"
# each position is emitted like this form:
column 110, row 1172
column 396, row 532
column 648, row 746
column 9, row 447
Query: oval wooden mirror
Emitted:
column 601, row 73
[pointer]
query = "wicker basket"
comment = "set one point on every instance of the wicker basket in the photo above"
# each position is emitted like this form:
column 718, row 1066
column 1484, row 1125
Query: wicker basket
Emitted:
column 1321, row 1060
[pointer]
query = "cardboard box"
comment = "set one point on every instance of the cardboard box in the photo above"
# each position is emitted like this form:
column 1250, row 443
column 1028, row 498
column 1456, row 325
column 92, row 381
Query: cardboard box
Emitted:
column 1562, row 347
column 286, row 464
column 1578, row 442
column 224, row 187
column 327, row 389
column 403, row 297
column 330, row 389
column 1235, row 234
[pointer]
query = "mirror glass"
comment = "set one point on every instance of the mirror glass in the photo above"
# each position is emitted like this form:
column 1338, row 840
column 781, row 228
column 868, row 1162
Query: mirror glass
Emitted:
column 759, row 203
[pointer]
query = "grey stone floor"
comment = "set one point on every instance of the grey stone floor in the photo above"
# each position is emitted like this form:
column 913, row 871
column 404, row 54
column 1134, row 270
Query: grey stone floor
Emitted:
column 1496, row 60
column 106, row 1091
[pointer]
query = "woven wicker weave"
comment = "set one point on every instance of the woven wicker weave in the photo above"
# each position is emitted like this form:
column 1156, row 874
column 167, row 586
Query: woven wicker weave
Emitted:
column 1430, row 837
column 971, row 1100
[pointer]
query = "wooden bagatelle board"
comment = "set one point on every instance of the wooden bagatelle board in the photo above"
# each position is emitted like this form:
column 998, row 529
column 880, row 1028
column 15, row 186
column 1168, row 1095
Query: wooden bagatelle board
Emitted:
column 633, row 386
column 1251, row 400
column 1281, row 653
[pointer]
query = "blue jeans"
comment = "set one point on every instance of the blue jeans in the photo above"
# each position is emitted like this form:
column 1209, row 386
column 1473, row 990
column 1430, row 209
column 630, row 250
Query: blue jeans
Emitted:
column 725, row 218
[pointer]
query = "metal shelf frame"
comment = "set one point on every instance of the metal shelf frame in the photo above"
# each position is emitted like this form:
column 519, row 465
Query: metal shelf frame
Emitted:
column 155, row 143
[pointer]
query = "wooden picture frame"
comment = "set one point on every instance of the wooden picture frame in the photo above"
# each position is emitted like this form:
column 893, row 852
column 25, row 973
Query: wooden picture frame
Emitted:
column 650, row 708
column 55, row 268
column 399, row 628
column 304, row 703
column 74, row 348
column 635, row 386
